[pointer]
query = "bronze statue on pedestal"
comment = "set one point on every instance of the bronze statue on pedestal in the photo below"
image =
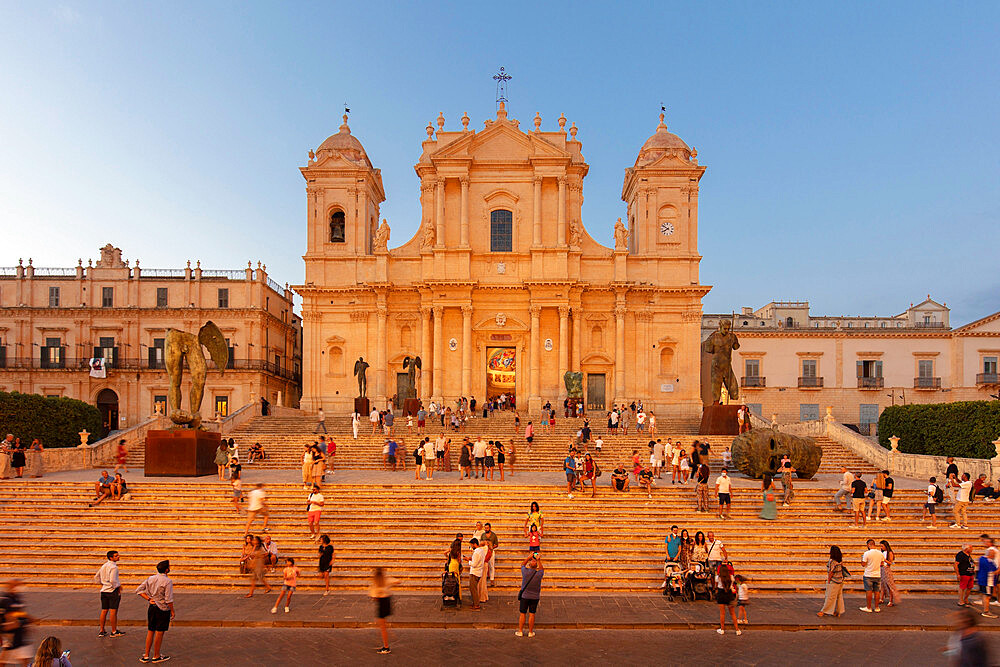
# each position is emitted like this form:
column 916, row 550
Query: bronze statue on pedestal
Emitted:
column 721, row 345
column 181, row 345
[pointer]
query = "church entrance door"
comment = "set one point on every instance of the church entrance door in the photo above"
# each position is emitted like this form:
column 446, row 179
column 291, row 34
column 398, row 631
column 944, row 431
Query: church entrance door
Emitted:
column 501, row 371
column 595, row 391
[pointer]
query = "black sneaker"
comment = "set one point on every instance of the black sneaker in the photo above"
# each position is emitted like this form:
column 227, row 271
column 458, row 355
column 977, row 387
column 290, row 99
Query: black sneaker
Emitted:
column 384, row 649
column 144, row 658
column 162, row 658
column 116, row 633
column 102, row 633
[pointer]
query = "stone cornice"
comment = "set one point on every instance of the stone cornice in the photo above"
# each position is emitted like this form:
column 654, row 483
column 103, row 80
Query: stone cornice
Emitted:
column 750, row 333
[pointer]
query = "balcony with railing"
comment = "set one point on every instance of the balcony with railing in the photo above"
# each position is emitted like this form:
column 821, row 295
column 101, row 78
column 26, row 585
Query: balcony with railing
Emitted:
column 987, row 378
column 926, row 383
column 753, row 382
column 82, row 364
column 871, row 383
column 811, row 382
column 928, row 325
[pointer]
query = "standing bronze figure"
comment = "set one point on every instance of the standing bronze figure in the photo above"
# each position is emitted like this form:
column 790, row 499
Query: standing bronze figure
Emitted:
column 411, row 365
column 361, row 370
column 181, row 345
column 721, row 345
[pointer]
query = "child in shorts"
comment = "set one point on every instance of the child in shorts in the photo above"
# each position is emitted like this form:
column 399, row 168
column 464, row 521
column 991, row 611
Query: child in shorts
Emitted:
column 742, row 598
column 291, row 576
column 237, row 491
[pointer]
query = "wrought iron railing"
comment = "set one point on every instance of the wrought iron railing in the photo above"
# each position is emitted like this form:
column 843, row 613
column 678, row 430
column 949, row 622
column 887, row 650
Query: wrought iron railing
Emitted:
column 926, row 383
column 754, row 382
column 987, row 378
column 812, row 381
column 83, row 364
column 871, row 383
column 928, row 325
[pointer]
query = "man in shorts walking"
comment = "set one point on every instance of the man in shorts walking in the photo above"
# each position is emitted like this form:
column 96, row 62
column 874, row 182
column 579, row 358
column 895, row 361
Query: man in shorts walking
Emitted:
column 158, row 591
column 965, row 570
column 872, row 560
column 111, row 594
column 257, row 505
column 930, row 504
column 314, row 511
column 858, row 490
column 723, row 486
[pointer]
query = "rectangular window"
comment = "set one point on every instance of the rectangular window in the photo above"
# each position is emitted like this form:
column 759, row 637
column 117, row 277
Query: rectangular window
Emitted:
column 52, row 353
column 222, row 405
column 751, row 368
column 156, row 359
column 277, row 361
column 869, row 413
column 990, row 365
column 925, row 368
column 53, row 297
column 223, row 297
column 808, row 368
column 161, row 297
column 501, row 231
column 107, row 297
column 808, row 412
column 160, row 404
column 757, row 409
column 106, row 350
column 869, row 368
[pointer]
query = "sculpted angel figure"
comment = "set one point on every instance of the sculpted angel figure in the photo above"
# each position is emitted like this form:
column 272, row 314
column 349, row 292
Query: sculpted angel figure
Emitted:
column 181, row 345
column 621, row 236
column 382, row 236
column 575, row 234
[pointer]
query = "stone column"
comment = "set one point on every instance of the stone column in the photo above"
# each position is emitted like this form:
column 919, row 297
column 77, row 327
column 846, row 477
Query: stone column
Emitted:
column 438, row 354
column 577, row 333
column 536, row 227
column 562, row 212
column 425, row 352
column 536, row 353
column 466, row 350
column 620, row 353
column 439, row 212
column 563, row 348
column 464, row 180
column 380, row 353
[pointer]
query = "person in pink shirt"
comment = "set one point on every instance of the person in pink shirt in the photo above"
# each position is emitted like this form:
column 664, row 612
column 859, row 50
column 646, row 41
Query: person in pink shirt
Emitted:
column 291, row 577
column 529, row 434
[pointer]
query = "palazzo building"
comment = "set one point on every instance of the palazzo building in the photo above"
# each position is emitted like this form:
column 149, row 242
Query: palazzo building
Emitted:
column 54, row 320
column 794, row 365
column 502, row 289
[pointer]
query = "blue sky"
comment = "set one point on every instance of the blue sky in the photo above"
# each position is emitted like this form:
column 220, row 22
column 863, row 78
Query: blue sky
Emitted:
column 851, row 147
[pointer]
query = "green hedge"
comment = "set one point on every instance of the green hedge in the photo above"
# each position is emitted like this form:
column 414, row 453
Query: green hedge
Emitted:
column 57, row 421
column 964, row 429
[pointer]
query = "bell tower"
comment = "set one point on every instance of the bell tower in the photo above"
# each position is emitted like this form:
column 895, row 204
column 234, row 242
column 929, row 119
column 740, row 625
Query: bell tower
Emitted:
column 343, row 192
column 661, row 191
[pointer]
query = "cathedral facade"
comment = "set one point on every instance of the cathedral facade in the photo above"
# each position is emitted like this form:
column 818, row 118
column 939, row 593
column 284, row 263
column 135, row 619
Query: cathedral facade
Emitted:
column 502, row 289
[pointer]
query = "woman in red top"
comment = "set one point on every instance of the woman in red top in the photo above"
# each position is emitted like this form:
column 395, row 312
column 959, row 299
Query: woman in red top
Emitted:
column 636, row 466
column 589, row 472
column 121, row 455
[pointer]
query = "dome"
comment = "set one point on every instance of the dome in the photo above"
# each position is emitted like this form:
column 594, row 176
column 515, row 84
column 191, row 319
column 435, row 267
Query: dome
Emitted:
column 663, row 139
column 344, row 144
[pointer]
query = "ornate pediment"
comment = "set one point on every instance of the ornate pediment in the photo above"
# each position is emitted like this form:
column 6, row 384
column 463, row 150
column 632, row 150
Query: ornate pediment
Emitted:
column 502, row 140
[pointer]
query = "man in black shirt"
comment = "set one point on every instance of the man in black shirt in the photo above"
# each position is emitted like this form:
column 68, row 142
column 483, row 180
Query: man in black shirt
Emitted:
column 890, row 486
column 858, row 489
column 965, row 570
column 619, row 478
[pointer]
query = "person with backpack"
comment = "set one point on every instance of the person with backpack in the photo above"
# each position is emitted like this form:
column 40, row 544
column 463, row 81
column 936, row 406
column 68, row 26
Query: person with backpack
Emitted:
column 935, row 496
column 531, row 591
column 833, row 605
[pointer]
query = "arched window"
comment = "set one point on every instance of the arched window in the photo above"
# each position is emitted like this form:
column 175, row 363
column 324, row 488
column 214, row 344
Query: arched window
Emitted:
column 789, row 322
column 501, row 231
column 338, row 232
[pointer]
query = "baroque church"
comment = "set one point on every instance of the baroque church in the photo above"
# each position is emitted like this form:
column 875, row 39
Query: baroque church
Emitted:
column 502, row 289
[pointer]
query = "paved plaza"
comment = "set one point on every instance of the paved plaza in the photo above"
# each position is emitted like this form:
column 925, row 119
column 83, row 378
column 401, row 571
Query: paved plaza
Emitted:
column 269, row 646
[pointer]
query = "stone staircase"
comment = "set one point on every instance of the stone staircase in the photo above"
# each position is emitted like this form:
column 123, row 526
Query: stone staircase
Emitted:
column 283, row 439
column 613, row 543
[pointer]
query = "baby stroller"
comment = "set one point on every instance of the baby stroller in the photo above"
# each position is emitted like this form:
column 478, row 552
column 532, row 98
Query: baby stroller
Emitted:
column 450, row 593
column 673, row 577
column 699, row 583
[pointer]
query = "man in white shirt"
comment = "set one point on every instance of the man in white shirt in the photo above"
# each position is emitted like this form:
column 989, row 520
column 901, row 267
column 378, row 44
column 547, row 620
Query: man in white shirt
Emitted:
column 614, row 421
column 872, row 560
column 257, row 505
column 657, row 459
column 355, row 423
column 962, row 498
column 479, row 454
column 723, row 486
column 844, row 491
column 476, row 566
column 640, row 421
column 598, row 443
column 158, row 591
column 717, row 553
column 430, row 457
column 314, row 511
column 111, row 593
column 373, row 418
